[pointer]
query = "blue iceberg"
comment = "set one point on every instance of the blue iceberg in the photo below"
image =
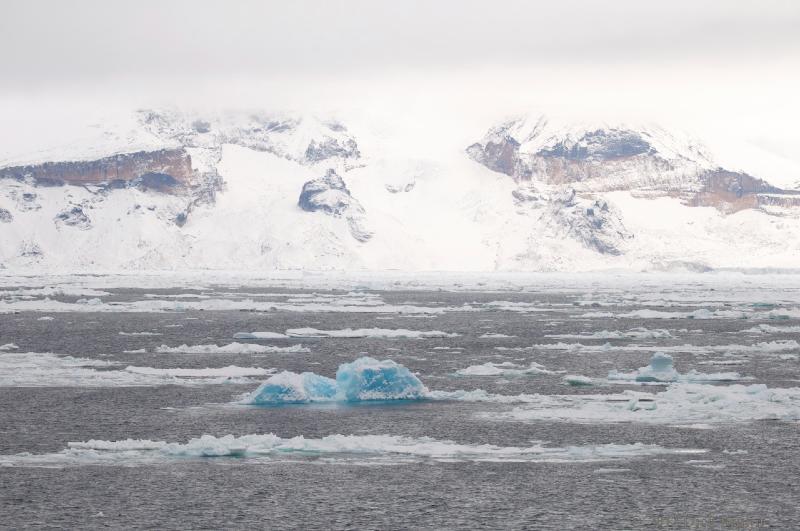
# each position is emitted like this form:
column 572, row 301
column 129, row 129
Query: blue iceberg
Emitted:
column 292, row 388
column 369, row 379
column 361, row 380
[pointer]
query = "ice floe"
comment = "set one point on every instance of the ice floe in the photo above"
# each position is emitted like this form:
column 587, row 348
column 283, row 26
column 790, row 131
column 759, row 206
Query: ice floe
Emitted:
column 231, row 348
column 368, row 332
column 577, row 380
column 495, row 336
column 139, row 333
column 361, row 380
column 9, row 346
column 332, row 448
column 634, row 333
column 259, row 335
column 683, row 404
column 506, row 368
column 31, row 369
column 661, row 369
column 770, row 329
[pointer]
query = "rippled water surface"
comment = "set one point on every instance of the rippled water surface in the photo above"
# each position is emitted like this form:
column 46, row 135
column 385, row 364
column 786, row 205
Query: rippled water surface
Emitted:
column 714, row 469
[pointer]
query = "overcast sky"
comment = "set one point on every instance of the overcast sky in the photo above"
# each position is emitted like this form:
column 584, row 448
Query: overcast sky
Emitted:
column 82, row 42
column 722, row 59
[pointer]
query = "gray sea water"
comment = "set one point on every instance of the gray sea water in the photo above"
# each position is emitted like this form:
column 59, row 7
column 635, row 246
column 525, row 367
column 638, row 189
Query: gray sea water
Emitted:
column 746, row 479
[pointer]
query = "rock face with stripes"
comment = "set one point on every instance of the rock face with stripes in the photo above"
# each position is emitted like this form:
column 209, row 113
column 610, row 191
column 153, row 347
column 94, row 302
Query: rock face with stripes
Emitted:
column 602, row 157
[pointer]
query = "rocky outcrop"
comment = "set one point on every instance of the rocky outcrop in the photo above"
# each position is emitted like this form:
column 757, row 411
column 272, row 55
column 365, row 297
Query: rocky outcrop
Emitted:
column 328, row 148
column 306, row 140
column 74, row 217
column 329, row 195
column 163, row 170
column 595, row 223
column 648, row 161
column 5, row 216
column 733, row 191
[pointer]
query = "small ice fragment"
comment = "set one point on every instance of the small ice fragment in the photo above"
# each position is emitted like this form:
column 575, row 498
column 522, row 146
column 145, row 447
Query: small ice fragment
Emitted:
column 576, row 380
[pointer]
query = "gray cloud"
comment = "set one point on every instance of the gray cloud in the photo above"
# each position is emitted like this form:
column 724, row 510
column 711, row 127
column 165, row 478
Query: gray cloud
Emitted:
column 46, row 44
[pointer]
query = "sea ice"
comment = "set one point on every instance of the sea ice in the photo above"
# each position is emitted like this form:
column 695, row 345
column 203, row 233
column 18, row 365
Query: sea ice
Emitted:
column 634, row 333
column 31, row 369
column 9, row 346
column 367, row 332
column 232, row 348
column 384, row 448
column 502, row 369
column 576, row 380
column 259, row 335
column 661, row 369
column 683, row 403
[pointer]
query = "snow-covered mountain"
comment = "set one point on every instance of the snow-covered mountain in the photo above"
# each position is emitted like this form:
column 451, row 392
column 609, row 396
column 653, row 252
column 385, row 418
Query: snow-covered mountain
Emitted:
column 254, row 190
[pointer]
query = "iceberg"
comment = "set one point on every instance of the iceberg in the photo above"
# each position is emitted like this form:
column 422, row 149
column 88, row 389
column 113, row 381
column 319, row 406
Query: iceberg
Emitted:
column 361, row 380
column 662, row 370
column 291, row 388
column 369, row 379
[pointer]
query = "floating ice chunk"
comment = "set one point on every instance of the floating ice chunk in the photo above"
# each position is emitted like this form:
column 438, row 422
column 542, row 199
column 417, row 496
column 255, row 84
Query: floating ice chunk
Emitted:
column 495, row 336
column 369, row 379
column 94, row 301
column 659, row 370
column 382, row 448
column 232, row 348
column 769, row 329
column 231, row 371
column 662, row 370
column 139, row 333
column 367, row 332
column 45, row 318
column 502, row 369
column 33, row 369
column 292, row 388
column 9, row 346
column 259, row 335
column 576, row 380
column 678, row 404
column 361, row 380
column 634, row 333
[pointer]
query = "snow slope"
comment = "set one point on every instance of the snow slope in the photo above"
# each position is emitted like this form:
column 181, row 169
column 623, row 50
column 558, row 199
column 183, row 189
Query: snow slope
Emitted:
column 390, row 203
